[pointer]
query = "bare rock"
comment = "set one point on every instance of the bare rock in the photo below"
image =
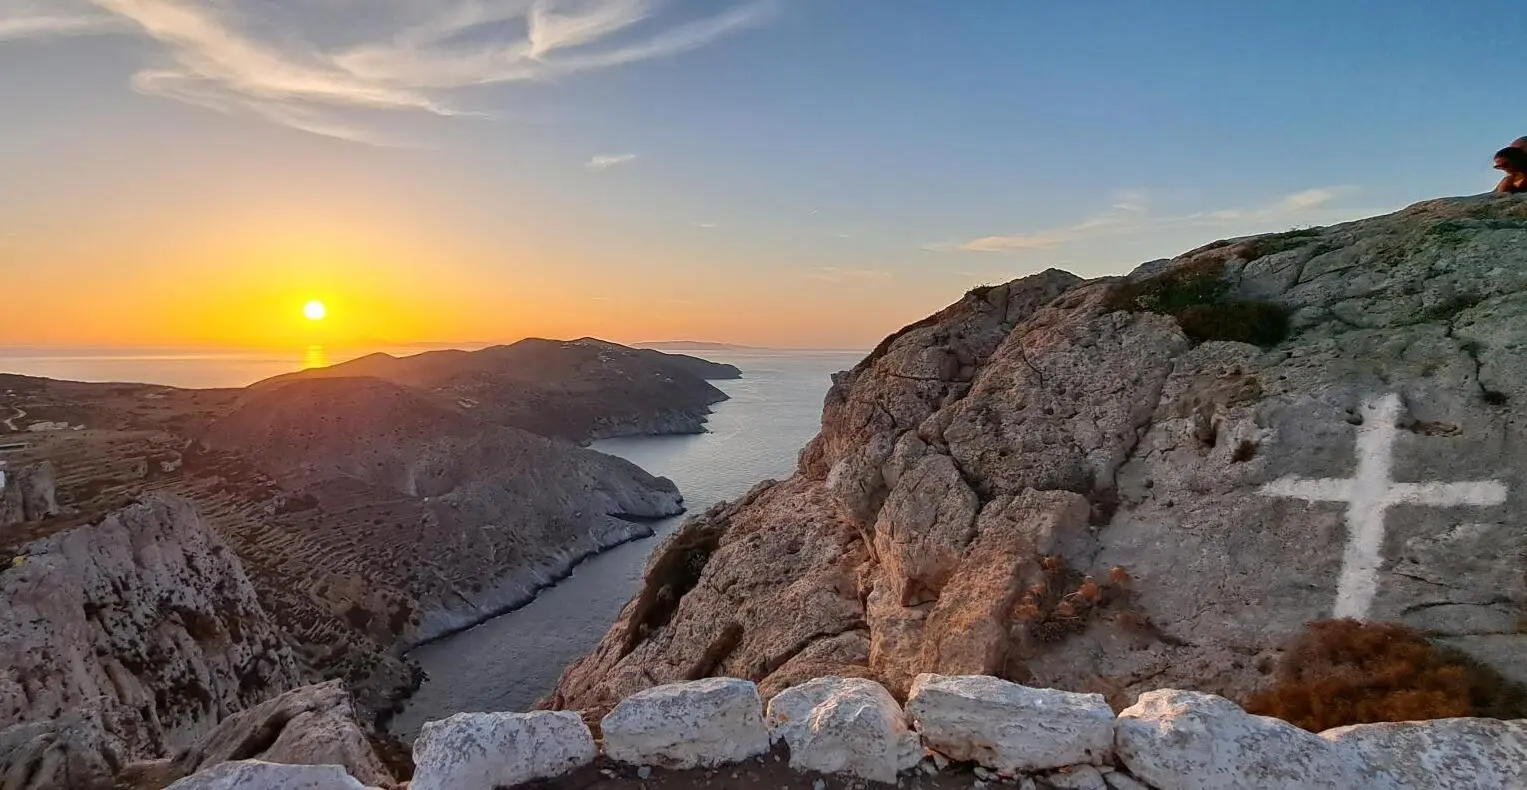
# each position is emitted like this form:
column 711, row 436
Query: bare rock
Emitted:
column 1081, row 777
column 844, row 725
column 1010, row 728
column 75, row 750
column 1487, row 754
column 976, row 468
column 1195, row 741
column 257, row 775
column 27, row 494
column 703, row 723
column 485, row 751
column 146, row 618
column 311, row 725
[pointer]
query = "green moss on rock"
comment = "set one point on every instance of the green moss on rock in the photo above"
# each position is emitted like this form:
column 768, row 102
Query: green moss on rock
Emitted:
column 1198, row 297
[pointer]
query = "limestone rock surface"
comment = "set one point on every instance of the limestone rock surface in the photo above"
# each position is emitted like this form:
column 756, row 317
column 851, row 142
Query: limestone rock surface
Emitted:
column 702, row 723
column 1010, row 728
column 311, row 725
column 485, row 751
column 1049, row 485
column 257, row 775
column 145, row 624
column 844, row 725
column 75, row 750
column 1192, row 741
column 27, row 494
column 1484, row 754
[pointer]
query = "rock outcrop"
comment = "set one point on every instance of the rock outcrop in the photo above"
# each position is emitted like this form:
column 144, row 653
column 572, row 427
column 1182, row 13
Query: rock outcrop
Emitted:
column 311, row 725
column 125, row 639
column 1077, row 484
column 27, row 494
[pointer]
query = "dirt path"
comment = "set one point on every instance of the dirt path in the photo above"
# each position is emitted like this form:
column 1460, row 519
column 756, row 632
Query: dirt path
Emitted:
column 10, row 422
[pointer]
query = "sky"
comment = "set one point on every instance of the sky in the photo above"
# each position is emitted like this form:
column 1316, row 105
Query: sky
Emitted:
column 811, row 173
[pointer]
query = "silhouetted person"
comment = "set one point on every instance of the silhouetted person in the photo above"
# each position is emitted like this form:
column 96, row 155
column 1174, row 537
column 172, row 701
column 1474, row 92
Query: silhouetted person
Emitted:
column 1513, row 162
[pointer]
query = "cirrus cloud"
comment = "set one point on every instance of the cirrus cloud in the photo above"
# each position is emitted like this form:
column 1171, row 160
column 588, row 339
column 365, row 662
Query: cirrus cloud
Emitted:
column 1130, row 214
column 318, row 66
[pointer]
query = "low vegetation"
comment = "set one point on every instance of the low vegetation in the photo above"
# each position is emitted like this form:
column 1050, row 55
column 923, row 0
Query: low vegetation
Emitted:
column 1199, row 298
column 1340, row 672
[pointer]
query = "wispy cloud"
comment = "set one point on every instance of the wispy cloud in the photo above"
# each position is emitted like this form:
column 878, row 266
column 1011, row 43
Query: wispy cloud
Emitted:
column 1130, row 214
column 315, row 66
column 707, row 225
column 20, row 19
column 835, row 274
column 607, row 161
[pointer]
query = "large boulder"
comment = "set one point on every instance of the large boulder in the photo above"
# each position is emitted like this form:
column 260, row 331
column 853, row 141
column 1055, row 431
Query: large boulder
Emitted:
column 312, row 725
column 687, row 725
column 1484, row 754
column 1187, row 740
column 257, row 775
column 485, row 751
column 979, row 465
column 1010, row 728
column 844, row 725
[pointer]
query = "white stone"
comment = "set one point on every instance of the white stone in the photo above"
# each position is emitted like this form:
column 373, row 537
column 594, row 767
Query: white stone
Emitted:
column 483, row 751
column 1187, row 740
column 258, row 775
column 687, row 725
column 1487, row 754
column 1007, row 727
column 1081, row 777
column 844, row 725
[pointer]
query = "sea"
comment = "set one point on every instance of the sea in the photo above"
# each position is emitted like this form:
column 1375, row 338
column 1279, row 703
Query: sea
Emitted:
column 509, row 662
column 177, row 367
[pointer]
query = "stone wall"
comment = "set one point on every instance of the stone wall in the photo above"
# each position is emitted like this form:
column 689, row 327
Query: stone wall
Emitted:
column 1001, row 731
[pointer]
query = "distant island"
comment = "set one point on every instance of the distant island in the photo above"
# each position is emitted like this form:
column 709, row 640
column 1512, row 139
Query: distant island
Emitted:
column 698, row 345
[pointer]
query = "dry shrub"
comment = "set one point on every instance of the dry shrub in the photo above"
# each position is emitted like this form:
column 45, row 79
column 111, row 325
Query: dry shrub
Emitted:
column 1341, row 672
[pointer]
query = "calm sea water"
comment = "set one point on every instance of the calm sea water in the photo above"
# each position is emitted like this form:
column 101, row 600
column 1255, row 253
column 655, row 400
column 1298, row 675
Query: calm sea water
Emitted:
column 507, row 663
column 174, row 367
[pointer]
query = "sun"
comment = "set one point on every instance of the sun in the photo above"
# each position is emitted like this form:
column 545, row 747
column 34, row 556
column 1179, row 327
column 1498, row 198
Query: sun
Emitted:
column 314, row 310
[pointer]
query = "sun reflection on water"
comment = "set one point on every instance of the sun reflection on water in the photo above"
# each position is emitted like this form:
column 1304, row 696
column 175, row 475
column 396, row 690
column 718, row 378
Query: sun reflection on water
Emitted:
column 316, row 357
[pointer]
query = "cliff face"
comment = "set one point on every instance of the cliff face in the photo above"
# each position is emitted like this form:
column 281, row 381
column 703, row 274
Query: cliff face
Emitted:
column 1081, row 484
column 126, row 638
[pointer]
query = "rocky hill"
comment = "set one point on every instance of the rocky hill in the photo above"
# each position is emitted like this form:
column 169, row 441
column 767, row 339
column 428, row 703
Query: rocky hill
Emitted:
column 124, row 640
column 370, row 514
column 578, row 390
column 1119, row 484
column 477, row 516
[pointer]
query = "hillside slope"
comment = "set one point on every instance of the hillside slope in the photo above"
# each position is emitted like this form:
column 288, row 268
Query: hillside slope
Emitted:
column 579, row 389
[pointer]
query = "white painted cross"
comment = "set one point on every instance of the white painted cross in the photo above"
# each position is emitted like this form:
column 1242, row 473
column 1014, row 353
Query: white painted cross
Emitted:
column 1369, row 493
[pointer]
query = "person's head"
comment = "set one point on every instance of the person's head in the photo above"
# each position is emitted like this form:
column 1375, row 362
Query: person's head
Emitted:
column 1512, row 160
